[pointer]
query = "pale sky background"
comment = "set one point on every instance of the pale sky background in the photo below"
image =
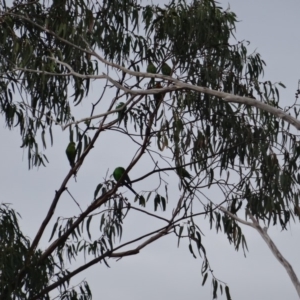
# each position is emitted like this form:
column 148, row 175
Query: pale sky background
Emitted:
column 161, row 270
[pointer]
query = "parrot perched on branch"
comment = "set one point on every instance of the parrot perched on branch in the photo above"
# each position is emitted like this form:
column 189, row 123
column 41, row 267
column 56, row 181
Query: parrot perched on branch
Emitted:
column 71, row 153
column 121, row 113
column 183, row 173
column 166, row 70
column 118, row 173
column 151, row 69
column 158, row 97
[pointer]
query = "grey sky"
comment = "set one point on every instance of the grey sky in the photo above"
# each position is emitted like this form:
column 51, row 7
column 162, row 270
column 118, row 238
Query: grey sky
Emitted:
column 163, row 271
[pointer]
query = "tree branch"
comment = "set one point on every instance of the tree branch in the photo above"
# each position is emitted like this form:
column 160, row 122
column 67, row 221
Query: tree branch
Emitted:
column 271, row 245
column 227, row 97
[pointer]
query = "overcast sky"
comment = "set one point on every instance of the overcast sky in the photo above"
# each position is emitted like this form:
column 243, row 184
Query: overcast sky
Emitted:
column 163, row 271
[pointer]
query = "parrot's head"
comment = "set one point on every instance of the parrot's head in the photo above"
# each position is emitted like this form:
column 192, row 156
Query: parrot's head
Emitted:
column 121, row 104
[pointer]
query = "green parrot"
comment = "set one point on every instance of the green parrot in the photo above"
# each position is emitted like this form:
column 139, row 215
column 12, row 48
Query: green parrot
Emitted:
column 183, row 173
column 71, row 153
column 151, row 68
column 158, row 97
column 166, row 70
column 87, row 123
column 118, row 172
column 121, row 112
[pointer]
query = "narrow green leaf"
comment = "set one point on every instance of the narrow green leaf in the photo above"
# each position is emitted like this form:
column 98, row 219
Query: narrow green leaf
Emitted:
column 215, row 289
column 227, row 293
column 191, row 250
column 281, row 84
column 142, row 201
column 198, row 240
column 149, row 194
column 88, row 226
column 179, row 234
column 204, row 278
column 99, row 186
column 53, row 230
column 156, row 202
column 163, row 203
